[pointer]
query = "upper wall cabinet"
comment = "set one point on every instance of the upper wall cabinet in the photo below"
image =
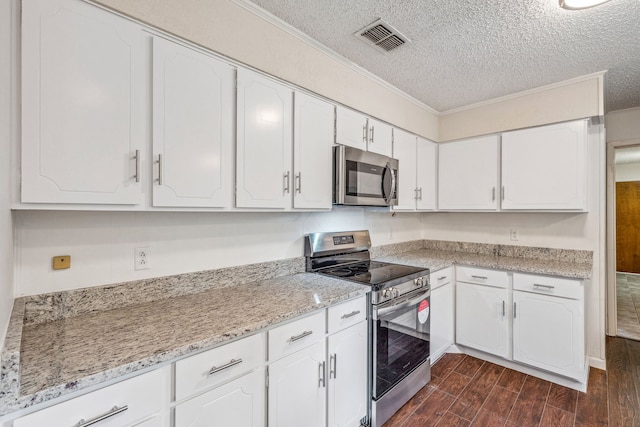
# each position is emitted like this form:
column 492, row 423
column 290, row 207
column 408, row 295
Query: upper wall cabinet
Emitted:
column 417, row 176
column 83, row 105
column 468, row 174
column 544, row 168
column 313, row 134
column 192, row 127
column 357, row 130
column 264, row 142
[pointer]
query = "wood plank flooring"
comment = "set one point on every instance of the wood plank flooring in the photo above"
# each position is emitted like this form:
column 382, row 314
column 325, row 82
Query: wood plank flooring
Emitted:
column 465, row 391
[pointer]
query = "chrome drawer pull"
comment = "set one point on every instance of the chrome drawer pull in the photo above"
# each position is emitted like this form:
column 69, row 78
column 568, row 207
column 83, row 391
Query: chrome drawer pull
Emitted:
column 353, row 313
column 479, row 277
column 302, row 335
column 215, row 369
column 442, row 278
column 114, row 411
column 538, row 285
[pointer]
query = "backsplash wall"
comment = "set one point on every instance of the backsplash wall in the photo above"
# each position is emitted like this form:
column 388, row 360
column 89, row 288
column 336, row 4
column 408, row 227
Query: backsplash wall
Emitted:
column 102, row 244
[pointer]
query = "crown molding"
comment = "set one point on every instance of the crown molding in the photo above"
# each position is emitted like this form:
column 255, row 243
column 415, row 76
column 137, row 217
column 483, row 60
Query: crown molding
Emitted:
column 269, row 17
column 599, row 75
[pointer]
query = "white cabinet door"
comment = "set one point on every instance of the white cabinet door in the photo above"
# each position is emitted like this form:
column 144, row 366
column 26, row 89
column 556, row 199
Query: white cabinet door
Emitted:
column 482, row 318
column 380, row 138
column 545, row 167
column 313, row 130
column 404, row 149
column 192, row 127
column 297, row 389
column 347, row 387
column 264, row 134
column 83, row 104
column 426, row 174
column 239, row 403
column 442, row 322
column 468, row 174
column 351, row 128
column 548, row 332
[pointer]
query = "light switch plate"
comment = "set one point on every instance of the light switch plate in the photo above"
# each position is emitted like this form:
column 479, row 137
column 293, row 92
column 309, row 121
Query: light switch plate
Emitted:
column 61, row 262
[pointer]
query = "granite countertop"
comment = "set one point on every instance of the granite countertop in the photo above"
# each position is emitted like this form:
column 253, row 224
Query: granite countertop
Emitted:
column 61, row 356
column 438, row 259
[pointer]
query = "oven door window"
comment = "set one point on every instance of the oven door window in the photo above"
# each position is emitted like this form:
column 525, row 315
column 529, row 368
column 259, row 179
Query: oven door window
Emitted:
column 401, row 342
column 365, row 180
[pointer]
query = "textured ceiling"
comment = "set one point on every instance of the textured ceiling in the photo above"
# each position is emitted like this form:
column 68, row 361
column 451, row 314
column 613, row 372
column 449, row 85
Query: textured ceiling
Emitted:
column 467, row 51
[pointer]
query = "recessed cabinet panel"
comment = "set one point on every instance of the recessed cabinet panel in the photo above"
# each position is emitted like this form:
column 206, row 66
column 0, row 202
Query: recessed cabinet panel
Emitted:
column 264, row 140
column 548, row 332
column 544, row 167
column 82, row 104
column 426, row 174
column 193, row 127
column 468, row 174
column 313, row 137
column 404, row 149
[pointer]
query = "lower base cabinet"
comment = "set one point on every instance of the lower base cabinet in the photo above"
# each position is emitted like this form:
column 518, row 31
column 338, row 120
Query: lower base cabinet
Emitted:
column 239, row 403
column 442, row 313
column 297, row 389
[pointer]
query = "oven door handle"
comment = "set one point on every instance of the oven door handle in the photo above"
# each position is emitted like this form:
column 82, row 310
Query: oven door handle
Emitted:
column 391, row 308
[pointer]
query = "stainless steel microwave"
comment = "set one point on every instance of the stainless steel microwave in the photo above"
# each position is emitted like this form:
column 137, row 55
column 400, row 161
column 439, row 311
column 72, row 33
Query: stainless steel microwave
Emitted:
column 361, row 178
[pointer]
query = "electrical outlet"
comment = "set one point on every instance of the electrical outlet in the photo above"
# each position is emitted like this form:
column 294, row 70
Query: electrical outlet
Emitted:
column 514, row 234
column 141, row 258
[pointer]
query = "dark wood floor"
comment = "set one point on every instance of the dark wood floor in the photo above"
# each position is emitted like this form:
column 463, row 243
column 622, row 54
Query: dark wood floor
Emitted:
column 465, row 391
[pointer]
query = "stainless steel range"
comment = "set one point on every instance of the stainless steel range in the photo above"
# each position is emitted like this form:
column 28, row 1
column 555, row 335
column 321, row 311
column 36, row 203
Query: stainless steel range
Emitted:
column 399, row 363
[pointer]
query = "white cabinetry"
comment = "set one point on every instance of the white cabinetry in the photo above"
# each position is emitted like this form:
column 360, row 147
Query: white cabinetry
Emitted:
column 313, row 135
column 468, row 174
column 139, row 401
column 354, row 129
column 264, row 142
column 482, row 311
column 83, row 105
column 548, row 324
column 545, row 167
column 442, row 313
column 417, row 176
column 192, row 127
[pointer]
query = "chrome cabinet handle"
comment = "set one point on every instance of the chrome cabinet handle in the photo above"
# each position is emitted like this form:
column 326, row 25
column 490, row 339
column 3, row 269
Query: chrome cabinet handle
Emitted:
column 479, row 277
column 514, row 310
column 137, row 158
column 371, row 136
column 286, row 182
column 493, row 194
column 333, row 371
column 215, row 369
column 540, row 285
column 503, row 309
column 299, row 337
column 442, row 278
column 502, row 193
column 420, row 191
column 299, row 182
column 415, row 191
column 159, row 169
column 353, row 313
column 322, row 380
column 364, row 132
column 113, row 411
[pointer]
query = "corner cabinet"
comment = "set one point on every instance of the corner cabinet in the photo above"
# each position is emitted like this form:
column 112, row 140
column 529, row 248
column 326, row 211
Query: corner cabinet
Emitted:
column 417, row 176
column 468, row 174
column 544, row 168
column 193, row 100
column 83, row 105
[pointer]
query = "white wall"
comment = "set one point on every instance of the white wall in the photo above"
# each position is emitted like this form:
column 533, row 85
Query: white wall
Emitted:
column 6, row 233
column 627, row 172
column 101, row 244
column 623, row 125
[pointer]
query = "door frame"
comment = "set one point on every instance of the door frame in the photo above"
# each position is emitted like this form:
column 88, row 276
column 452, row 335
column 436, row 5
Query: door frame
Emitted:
column 612, row 304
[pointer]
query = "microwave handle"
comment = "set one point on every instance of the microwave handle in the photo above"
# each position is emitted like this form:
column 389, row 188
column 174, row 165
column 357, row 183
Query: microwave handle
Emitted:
column 392, row 190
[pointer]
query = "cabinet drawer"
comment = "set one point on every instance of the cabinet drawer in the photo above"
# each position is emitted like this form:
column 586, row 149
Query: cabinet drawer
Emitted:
column 482, row 276
column 142, row 396
column 296, row 335
column 440, row 277
column 346, row 314
column 567, row 288
column 196, row 373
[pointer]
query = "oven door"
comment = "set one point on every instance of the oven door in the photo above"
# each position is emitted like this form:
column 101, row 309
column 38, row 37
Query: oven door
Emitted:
column 364, row 179
column 400, row 339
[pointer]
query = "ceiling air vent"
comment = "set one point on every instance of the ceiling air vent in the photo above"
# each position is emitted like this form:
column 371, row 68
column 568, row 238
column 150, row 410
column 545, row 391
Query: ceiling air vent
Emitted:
column 382, row 36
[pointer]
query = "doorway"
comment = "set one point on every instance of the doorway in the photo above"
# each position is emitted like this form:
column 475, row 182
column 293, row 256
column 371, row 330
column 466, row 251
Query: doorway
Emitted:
column 626, row 218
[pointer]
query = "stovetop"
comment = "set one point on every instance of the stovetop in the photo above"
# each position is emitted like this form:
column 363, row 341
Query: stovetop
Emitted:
column 374, row 273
